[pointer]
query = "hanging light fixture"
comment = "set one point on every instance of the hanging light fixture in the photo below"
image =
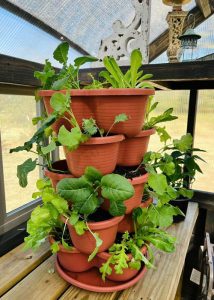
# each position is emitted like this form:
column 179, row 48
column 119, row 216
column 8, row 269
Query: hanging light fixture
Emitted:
column 189, row 41
column 175, row 19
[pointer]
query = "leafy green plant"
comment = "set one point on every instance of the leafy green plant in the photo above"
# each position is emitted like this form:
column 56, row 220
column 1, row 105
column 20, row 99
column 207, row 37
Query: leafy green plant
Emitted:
column 45, row 218
column 86, row 194
column 146, row 232
column 133, row 78
column 152, row 122
column 172, row 169
column 68, row 76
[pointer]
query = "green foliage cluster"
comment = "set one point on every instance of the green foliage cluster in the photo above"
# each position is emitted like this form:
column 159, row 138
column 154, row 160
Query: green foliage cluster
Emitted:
column 172, row 169
column 147, row 231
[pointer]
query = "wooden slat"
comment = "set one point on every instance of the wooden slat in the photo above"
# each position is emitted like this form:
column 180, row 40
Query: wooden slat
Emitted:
column 16, row 264
column 162, row 283
column 78, row 294
column 205, row 7
column 41, row 284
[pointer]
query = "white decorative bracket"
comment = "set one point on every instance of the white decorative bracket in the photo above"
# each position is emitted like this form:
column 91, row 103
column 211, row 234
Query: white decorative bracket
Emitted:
column 125, row 39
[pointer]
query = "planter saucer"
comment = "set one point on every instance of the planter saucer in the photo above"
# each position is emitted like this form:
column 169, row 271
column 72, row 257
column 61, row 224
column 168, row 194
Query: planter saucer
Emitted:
column 91, row 280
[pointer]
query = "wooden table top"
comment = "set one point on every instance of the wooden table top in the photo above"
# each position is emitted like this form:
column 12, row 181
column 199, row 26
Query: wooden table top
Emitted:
column 31, row 275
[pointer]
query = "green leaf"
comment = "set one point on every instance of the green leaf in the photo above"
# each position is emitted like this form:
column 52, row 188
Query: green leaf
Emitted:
column 105, row 269
column 92, row 174
column 138, row 255
column 98, row 244
column 88, row 205
column 120, row 118
column 55, row 247
column 117, row 208
column 168, row 168
column 116, row 187
column 47, row 149
column 71, row 139
column 135, row 264
column 80, row 227
column 163, row 134
column 61, row 53
column 60, row 102
column 45, row 76
column 74, row 218
column 79, row 61
column 158, row 183
column 186, row 193
column 36, row 120
column 66, row 246
column 75, row 189
column 89, row 126
column 24, row 169
column 109, row 79
column 60, row 204
column 60, row 84
column 113, row 68
column 185, row 143
column 136, row 63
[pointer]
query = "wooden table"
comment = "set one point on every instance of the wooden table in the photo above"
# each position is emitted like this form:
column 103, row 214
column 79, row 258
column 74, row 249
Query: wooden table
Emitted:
column 31, row 276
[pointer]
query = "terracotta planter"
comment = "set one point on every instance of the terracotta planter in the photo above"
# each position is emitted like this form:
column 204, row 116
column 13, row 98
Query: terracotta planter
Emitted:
column 73, row 260
column 82, row 106
column 132, row 150
column 55, row 177
column 112, row 102
column 107, row 231
column 128, row 273
column 104, row 105
column 127, row 223
column 138, row 184
column 99, row 152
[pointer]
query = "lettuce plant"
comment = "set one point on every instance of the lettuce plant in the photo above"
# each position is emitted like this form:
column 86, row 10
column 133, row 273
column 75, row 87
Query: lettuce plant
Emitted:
column 146, row 233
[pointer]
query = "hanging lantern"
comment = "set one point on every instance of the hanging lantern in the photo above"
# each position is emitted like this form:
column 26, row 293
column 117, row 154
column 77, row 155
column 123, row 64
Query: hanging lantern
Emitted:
column 189, row 42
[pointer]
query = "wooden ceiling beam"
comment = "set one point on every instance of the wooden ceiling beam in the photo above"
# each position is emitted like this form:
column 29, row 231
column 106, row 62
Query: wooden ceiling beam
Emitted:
column 205, row 7
column 160, row 44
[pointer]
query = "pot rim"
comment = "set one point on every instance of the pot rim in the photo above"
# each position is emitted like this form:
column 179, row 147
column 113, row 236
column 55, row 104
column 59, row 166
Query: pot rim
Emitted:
column 104, row 140
column 61, row 248
column 99, row 225
column 105, row 255
column 102, row 92
column 51, row 174
column 140, row 179
column 144, row 133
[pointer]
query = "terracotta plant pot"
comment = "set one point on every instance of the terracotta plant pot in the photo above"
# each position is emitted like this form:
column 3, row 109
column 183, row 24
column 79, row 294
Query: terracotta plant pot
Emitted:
column 73, row 260
column 82, row 106
column 127, row 223
column 132, row 150
column 55, row 177
column 104, row 105
column 112, row 102
column 138, row 184
column 107, row 231
column 128, row 273
column 99, row 152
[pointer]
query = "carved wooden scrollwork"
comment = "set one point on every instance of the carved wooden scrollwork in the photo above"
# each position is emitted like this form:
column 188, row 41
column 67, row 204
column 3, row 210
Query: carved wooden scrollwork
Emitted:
column 125, row 39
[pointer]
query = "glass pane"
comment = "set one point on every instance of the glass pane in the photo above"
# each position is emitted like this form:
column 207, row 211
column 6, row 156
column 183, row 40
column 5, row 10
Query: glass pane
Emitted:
column 16, row 128
column 176, row 128
column 21, row 39
column 204, row 140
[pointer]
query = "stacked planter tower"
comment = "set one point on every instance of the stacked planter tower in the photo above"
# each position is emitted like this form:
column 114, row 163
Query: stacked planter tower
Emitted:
column 124, row 148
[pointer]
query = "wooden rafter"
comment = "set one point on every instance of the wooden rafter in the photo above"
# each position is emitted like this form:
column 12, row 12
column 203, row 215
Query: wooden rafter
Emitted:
column 205, row 7
column 160, row 44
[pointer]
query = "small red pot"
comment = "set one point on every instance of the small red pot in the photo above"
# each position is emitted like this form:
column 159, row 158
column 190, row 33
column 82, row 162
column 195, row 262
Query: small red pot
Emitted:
column 73, row 260
column 127, row 223
column 99, row 152
column 83, row 107
column 107, row 231
column 60, row 165
column 138, row 184
column 132, row 150
column 128, row 273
